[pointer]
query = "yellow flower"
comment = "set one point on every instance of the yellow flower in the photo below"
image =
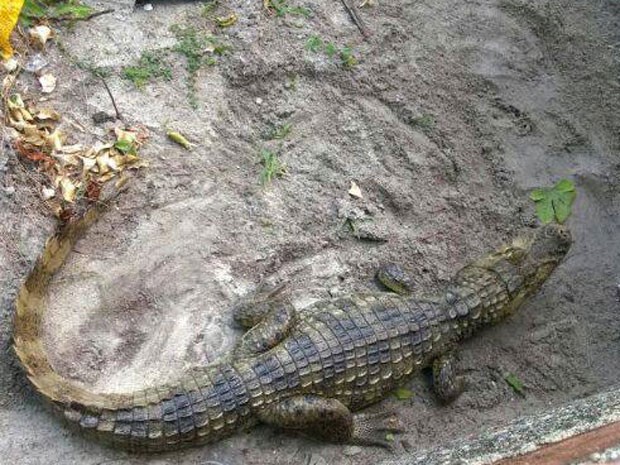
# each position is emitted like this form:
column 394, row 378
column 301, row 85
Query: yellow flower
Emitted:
column 9, row 13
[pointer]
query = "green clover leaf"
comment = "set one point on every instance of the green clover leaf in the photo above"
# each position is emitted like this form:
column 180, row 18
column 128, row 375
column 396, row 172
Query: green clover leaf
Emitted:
column 555, row 202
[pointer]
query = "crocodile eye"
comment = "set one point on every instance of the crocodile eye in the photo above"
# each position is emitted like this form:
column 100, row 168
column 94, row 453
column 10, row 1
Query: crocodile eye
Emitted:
column 515, row 255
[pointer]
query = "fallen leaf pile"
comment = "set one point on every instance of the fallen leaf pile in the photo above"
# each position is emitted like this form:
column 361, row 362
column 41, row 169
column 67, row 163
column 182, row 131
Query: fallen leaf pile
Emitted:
column 74, row 171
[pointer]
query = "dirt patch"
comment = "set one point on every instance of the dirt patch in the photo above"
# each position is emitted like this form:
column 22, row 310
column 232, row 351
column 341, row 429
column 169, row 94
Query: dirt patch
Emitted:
column 453, row 112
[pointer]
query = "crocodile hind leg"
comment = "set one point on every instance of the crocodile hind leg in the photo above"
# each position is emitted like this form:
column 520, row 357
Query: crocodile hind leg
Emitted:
column 328, row 420
column 269, row 316
column 272, row 329
column 395, row 279
column 248, row 312
column 446, row 383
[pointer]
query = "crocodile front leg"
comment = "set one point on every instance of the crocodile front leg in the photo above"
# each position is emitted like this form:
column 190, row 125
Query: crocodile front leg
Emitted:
column 395, row 279
column 272, row 329
column 328, row 420
column 269, row 317
column 446, row 383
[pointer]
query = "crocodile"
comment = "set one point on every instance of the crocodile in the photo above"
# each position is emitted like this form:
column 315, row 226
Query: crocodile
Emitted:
column 305, row 371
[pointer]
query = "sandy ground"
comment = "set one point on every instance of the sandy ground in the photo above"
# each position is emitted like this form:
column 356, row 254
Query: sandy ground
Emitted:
column 518, row 94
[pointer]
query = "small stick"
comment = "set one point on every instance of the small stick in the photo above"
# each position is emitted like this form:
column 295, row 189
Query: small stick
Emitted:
column 105, row 84
column 356, row 18
column 85, row 18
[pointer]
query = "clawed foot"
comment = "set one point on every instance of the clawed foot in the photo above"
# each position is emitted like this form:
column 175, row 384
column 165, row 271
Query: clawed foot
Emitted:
column 376, row 429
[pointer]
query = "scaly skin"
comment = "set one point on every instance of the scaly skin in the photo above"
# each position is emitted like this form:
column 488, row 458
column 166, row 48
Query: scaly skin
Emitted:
column 305, row 371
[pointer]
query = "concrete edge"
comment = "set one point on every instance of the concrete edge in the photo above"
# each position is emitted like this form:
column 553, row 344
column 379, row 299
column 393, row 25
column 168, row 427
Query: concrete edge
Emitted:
column 524, row 435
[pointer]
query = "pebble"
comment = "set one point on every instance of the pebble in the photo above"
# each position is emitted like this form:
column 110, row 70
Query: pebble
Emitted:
column 352, row 450
column 595, row 457
column 148, row 7
column 316, row 459
column 48, row 193
column 10, row 65
column 9, row 190
column 36, row 63
column 259, row 101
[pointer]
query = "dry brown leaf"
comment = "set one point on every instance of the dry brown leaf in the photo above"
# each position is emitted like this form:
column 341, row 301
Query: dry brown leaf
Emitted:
column 47, row 114
column 107, row 177
column 102, row 162
column 99, row 147
column 69, row 159
column 48, row 83
column 55, row 140
column 88, row 164
column 32, row 135
column 115, row 162
column 7, row 83
column 127, row 136
column 72, row 169
column 68, row 188
column 355, row 190
column 75, row 148
column 40, row 34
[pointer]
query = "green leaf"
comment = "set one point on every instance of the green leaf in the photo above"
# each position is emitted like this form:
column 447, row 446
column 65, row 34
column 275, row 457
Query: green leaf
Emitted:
column 403, row 393
column 537, row 194
column 389, row 437
column 124, row 146
column 565, row 185
column 515, row 383
column 556, row 202
column 544, row 210
column 562, row 206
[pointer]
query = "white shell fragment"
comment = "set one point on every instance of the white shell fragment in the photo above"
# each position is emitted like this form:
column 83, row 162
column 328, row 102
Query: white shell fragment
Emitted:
column 48, row 83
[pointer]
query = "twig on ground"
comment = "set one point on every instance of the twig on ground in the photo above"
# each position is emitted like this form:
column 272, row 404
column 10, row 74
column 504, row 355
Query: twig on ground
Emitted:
column 116, row 110
column 356, row 18
column 85, row 18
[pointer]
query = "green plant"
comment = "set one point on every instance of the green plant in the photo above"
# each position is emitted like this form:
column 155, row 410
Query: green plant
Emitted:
column 314, row 44
column 208, row 7
column 199, row 50
column 37, row 10
column 292, row 81
column 280, row 131
column 425, row 122
column 282, row 8
column 125, row 146
column 330, row 49
column 554, row 202
column 403, row 393
column 347, row 58
column 272, row 167
column 150, row 65
column 515, row 383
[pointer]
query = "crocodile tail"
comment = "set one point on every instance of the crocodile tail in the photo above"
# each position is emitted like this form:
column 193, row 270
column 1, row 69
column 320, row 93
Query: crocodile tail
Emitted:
column 68, row 397
column 29, row 311
column 205, row 405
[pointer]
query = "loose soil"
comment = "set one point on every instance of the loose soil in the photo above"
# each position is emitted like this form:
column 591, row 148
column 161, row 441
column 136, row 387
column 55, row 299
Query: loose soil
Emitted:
column 454, row 111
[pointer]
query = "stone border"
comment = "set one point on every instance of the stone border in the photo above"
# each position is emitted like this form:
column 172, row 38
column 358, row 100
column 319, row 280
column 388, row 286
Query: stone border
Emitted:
column 598, row 416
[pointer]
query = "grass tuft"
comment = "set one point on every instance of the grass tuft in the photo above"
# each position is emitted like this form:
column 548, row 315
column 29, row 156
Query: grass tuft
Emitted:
column 272, row 167
column 150, row 66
